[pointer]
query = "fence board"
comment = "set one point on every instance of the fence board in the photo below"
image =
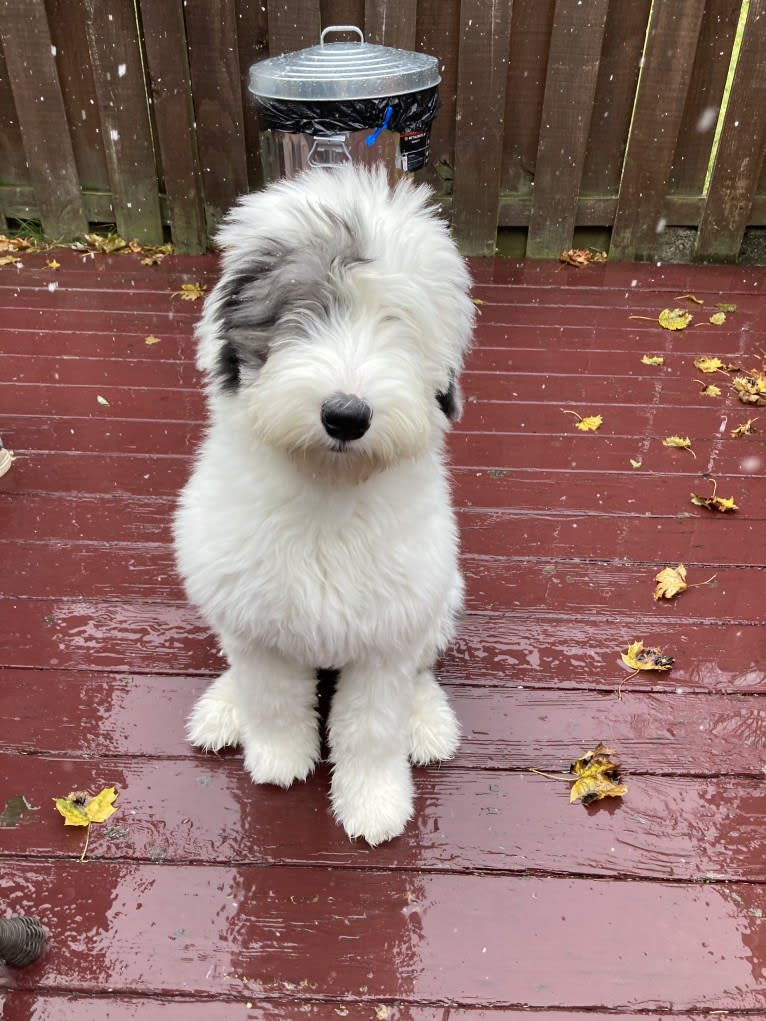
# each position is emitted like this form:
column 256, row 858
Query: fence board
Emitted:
column 390, row 23
column 252, row 45
column 67, row 24
column 482, row 76
column 711, row 64
column 438, row 33
column 741, row 150
column 37, row 96
column 293, row 27
column 215, row 75
column 662, row 88
column 531, row 26
column 621, row 51
column 125, row 126
column 573, row 64
column 13, row 164
column 168, row 68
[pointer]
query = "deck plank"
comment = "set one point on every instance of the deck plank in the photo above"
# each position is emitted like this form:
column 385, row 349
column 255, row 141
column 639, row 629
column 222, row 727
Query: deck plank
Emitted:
column 436, row 939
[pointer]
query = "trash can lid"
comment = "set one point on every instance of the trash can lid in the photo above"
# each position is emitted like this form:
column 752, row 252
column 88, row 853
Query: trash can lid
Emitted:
column 345, row 70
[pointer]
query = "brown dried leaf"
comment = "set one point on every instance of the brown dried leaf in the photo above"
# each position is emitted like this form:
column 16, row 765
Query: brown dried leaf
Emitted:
column 582, row 256
column 746, row 429
column 598, row 776
column 638, row 658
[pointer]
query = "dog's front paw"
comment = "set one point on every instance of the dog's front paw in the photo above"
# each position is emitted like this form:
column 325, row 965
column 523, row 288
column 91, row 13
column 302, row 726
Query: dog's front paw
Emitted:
column 281, row 758
column 373, row 801
column 214, row 721
column 434, row 729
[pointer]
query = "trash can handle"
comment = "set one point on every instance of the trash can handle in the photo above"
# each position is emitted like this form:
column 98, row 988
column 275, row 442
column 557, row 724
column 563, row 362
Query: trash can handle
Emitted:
column 341, row 28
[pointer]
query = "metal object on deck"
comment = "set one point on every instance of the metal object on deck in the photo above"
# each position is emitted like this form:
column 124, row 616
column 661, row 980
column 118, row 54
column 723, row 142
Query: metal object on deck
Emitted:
column 345, row 102
column 21, row 940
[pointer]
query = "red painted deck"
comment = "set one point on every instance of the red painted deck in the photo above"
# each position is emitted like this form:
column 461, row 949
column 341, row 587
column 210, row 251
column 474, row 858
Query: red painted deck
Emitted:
column 205, row 898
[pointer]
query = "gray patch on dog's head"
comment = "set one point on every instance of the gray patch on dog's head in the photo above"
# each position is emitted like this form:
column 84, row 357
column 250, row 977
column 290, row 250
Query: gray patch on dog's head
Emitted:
column 279, row 295
column 449, row 400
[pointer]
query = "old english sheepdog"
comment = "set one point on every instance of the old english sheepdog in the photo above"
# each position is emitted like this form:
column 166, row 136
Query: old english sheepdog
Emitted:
column 316, row 531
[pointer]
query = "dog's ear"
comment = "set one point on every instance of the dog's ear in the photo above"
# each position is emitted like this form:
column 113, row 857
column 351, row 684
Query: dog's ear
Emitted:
column 236, row 330
column 451, row 399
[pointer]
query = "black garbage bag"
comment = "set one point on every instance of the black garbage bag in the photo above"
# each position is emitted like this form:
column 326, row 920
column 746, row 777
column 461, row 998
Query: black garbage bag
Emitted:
column 412, row 112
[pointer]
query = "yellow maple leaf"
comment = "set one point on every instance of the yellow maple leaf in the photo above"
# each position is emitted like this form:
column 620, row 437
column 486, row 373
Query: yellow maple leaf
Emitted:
column 746, row 429
column 635, row 463
column 81, row 808
column 715, row 502
column 10, row 260
column 598, row 776
column 653, row 360
column 710, row 391
column 751, row 389
column 151, row 339
column 638, row 658
column 191, row 292
column 718, row 318
column 708, row 364
column 589, row 424
column 670, row 582
column 53, row 264
column 682, row 442
column 674, row 319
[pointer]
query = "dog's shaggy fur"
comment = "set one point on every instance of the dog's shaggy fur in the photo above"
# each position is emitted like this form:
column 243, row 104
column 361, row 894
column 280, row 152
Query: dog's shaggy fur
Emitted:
column 316, row 530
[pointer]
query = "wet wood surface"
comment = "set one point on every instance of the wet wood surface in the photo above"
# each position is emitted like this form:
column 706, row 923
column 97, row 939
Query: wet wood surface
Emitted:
column 206, row 898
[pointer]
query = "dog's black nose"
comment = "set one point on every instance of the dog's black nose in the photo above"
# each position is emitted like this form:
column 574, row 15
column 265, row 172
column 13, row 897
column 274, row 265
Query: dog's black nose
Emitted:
column 346, row 417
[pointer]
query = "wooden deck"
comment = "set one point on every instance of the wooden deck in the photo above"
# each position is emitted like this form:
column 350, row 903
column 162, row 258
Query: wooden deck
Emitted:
column 205, row 898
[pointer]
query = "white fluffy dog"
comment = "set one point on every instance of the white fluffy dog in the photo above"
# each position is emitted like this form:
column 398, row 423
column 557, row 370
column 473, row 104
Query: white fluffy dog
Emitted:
column 316, row 530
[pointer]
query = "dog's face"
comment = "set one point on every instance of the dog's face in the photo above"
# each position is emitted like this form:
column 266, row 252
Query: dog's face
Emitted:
column 338, row 327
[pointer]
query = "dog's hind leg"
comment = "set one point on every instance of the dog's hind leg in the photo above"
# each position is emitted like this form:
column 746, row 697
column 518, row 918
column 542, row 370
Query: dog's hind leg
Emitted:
column 368, row 736
column 214, row 721
column 434, row 729
column 276, row 701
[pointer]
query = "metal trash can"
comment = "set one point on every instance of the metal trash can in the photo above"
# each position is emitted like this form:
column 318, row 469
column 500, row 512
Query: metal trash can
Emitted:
column 345, row 102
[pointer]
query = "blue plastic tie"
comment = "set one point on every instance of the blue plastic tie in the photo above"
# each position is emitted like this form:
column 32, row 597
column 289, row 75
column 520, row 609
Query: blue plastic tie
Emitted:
column 372, row 139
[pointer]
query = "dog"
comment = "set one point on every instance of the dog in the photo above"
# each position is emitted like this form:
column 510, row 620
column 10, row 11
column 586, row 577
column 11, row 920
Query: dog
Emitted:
column 316, row 530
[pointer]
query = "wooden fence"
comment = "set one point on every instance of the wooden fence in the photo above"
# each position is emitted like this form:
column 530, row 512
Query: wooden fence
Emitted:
column 556, row 114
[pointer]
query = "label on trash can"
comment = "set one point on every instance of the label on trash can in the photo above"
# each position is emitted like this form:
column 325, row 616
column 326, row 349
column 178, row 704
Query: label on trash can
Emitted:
column 414, row 147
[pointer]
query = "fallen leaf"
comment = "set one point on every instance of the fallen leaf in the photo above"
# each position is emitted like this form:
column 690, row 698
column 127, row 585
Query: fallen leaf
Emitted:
column 670, row 582
column 151, row 339
column 653, row 360
column 690, row 297
column 598, row 776
column 582, row 256
column 478, row 301
column 724, row 306
column 751, row 388
column 53, row 264
column 710, row 390
column 80, row 808
column 638, row 658
column 715, row 502
column 746, row 429
column 636, row 464
column 589, row 424
column 10, row 260
column 102, row 400
column 106, row 244
column 718, row 318
column 191, row 292
column 708, row 364
column 682, row 442
column 674, row 319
